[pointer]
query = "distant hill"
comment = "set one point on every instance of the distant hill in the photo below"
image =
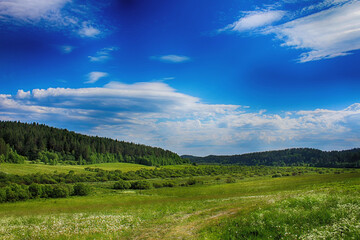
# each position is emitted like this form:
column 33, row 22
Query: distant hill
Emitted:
column 287, row 157
column 41, row 143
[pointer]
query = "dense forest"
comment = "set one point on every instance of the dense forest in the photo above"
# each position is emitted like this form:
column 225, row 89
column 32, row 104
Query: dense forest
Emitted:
column 41, row 143
column 288, row 157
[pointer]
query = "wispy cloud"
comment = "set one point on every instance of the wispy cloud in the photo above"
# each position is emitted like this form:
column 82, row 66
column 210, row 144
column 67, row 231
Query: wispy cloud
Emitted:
column 55, row 15
column 164, row 79
column 95, row 76
column 171, row 58
column 66, row 49
column 255, row 19
column 155, row 113
column 88, row 30
column 102, row 55
column 30, row 10
column 324, row 30
column 327, row 34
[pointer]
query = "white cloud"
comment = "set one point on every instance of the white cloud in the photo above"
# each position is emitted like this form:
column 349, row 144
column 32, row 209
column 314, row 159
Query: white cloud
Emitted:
column 323, row 30
column 50, row 15
column 102, row 55
column 30, row 9
column 22, row 94
column 88, row 31
column 156, row 114
column 255, row 19
column 327, row 34
column 171, row 58
column 95, row 76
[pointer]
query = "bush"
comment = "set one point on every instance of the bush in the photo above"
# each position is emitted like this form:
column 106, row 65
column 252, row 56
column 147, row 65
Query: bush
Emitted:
column 190, row 181
column 60, row 191
column 2, row 195
column 169, row 184
column 81, row 189
column 157, row 185
column 35, row 190
column 141, row 185
column 230, row 180
column 121, row 184
column 15, row 192
column 47, row 191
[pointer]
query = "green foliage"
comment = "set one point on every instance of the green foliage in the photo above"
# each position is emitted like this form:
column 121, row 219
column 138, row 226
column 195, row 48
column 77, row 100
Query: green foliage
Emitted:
column 121, row 184
column 191, row 181
column 35, row 190
column 141, row 185
column 2, row 195
column 61, row 191
column 230, row 180
column 169, row 183
column 38, row 142
column 81, row 189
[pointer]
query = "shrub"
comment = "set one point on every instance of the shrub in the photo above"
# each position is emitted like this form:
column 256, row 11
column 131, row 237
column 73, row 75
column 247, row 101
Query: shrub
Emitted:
column 191, row 181
column 81, row 189
column 157, row 185
column 230, row 180
column 2, row 195
column 47, row 191
column 35, row 190
column 15, row 192
column 141, row 185
column 121, row 184
column 60, row 191
column 169, row 184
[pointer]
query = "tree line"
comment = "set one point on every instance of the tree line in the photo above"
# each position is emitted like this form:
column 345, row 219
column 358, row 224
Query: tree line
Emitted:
column 38, row 142
column 288, row 157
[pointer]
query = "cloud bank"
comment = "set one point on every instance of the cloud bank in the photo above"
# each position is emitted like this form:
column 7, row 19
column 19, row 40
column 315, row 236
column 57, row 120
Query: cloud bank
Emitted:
column 156, row 114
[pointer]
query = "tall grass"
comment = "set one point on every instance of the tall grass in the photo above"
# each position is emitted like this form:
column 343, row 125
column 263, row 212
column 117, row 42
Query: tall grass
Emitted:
column 308, row 216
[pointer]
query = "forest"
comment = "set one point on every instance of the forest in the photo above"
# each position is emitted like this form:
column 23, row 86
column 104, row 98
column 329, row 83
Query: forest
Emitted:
column 288, row 157
column 41, row 143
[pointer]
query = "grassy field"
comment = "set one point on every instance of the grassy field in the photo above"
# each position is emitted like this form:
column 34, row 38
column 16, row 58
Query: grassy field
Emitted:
column 293, row 207
column 29, row 168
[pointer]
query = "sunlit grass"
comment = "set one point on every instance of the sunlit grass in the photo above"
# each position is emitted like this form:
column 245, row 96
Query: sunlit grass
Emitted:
column 29, row 168
column 173, row 213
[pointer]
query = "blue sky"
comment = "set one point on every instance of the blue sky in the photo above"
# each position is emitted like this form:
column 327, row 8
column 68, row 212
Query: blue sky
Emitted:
column 195, row 77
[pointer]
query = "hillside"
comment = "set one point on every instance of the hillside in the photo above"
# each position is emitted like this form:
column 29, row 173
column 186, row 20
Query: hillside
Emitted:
column 41, row 143
column 287, row 157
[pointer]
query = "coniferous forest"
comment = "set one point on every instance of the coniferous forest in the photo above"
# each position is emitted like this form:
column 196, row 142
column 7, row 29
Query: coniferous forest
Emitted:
column 288, row 157
column 41, row 143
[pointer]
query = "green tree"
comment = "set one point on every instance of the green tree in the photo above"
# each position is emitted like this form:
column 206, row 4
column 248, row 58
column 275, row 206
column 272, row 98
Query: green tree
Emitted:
column 121, row 184
column 81, row 189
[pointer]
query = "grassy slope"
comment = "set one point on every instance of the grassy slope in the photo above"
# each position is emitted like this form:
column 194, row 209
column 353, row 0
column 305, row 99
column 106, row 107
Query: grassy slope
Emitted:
column 168, row 213
column 28, row 168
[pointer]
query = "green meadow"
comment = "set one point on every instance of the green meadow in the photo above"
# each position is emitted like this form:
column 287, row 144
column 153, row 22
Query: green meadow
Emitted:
column 30, row 168
column 314, row 205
